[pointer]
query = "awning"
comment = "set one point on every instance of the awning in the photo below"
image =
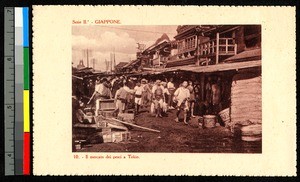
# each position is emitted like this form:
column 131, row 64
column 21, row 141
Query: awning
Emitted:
column 253, row 54
column 210, row 68
column 222, row 67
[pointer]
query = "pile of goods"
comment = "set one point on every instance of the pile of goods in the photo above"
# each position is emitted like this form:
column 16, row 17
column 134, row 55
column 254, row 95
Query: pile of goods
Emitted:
column 246, row 106
column 246, row 103
column 107, row 128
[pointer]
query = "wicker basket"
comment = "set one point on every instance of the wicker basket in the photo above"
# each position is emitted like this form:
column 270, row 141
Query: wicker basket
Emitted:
column 224, row 114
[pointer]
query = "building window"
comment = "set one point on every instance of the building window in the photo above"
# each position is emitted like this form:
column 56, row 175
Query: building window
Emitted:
column 187, row 44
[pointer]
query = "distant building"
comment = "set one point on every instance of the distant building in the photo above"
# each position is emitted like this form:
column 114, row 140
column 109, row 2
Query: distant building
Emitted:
column 119, row 67
column 133, row 66
column 156, row 55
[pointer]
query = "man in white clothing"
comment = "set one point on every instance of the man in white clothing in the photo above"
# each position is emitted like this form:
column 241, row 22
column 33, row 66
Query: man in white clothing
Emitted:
column 171, row 89
column 138, row 90
column 182, row 94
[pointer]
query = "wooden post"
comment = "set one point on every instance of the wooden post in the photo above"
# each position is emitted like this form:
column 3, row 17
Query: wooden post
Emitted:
column 226, row 48
column 202, row 87
column 87, row 58
column 217, row 48
column 235, row 49
column 158, row 60
column 197, row 50
column 201, row 50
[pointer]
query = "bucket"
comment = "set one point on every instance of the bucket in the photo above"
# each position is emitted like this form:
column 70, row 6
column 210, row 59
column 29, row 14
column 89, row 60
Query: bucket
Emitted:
column 251, row 132
column 224, row 114
column 254, row 129
column 209, row 121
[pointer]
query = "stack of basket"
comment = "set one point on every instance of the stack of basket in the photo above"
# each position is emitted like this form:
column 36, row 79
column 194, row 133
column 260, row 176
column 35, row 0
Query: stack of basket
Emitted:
column 246, row 101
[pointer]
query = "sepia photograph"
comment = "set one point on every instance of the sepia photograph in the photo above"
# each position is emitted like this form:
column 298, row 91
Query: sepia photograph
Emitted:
column 133, row 89
column 168, row 89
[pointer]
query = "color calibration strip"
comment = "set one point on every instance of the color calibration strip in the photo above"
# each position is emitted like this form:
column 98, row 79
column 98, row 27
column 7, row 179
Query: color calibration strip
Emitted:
column 26, row 149
column 19, row 87
column 16, row 74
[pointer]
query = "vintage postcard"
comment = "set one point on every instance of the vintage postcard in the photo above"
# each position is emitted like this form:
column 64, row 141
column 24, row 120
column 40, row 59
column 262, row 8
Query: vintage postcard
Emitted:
column 129, row 90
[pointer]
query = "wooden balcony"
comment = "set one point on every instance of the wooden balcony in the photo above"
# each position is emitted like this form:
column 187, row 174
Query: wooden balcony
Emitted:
column 221, row 47
column 205, row 53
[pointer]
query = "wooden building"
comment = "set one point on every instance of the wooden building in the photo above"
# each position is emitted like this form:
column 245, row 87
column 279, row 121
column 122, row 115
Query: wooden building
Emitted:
column 157, row 54
column 133, row 66
column 209, row 45
column 119, row 67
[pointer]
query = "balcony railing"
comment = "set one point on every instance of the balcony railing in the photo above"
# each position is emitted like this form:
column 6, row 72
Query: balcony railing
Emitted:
column 226, row 47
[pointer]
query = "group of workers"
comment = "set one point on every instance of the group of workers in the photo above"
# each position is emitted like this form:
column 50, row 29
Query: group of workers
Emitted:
column 158, row 96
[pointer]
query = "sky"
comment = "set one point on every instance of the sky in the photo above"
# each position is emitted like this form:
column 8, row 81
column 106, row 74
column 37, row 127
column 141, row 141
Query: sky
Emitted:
column 104, row 40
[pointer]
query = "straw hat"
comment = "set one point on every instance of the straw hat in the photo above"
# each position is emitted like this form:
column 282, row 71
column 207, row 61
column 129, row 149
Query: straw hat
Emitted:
column 144, row 80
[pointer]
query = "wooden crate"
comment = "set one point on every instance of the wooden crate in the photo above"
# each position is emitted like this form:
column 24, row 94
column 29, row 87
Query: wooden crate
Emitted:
column 105, row 104
column 116, row 137
column 106, row 113
column 107, row 137
column 121, row 136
